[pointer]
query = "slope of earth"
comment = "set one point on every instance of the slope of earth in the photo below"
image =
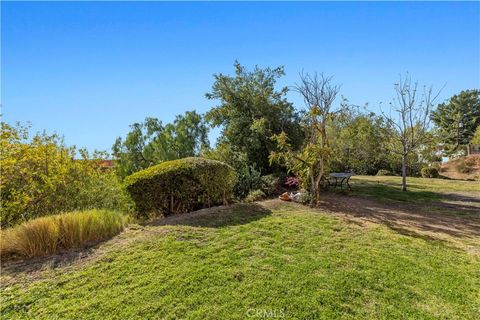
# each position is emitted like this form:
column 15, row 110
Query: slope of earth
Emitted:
column 354, row 258
column 451, row 171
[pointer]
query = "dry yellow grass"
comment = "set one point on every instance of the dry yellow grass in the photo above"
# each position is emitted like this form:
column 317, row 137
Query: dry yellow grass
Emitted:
column 47, row 235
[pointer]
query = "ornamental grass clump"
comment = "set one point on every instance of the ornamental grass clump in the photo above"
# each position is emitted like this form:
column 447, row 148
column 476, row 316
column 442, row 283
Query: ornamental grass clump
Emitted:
column 51, row 234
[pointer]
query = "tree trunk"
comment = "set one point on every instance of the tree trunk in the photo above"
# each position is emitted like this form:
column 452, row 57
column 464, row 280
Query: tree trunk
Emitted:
column 312, row 187
column 404, row 172
column 317, row 181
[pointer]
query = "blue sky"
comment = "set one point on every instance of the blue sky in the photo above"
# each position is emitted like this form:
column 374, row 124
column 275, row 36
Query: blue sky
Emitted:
column 88, row 70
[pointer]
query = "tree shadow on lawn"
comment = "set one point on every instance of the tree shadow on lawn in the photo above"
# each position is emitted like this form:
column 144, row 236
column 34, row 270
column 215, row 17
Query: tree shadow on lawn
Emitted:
column 31, row 269
column 459, row 201
column 216, row 217
column 393, row 191
column 409, row 218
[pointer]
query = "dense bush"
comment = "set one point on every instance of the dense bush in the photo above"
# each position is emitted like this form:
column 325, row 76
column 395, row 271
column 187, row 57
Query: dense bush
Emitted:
column 48, row 235
column 40, row 176
column 462, row 166
column 180, row 186
column 305, row 197
column 255, row 195
column 429, row 172
column 384, row 172
column 248, row 177
column 472, row 161
column 272, row 184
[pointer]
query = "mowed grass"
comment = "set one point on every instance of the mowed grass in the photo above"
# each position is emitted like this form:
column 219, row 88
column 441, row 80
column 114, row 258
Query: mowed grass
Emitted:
column 418, row 189
column 262, row 260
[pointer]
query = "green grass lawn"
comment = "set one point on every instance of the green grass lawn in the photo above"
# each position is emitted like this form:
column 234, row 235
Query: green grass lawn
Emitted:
column 254, row 261
column 418, row 189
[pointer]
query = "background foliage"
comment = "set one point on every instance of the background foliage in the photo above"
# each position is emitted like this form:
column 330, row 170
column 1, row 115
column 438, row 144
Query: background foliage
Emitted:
column 251, row 111
column 41, row 176
column 149, row 143
column 457, row 119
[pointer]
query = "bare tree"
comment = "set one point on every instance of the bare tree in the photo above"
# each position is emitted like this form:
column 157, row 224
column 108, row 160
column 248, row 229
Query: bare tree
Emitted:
column 411, row 119
column 319, row 94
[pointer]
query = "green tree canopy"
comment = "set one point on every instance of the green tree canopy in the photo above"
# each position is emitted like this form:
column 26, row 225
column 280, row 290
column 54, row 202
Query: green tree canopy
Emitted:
column 358, row 142
column 150, row 142
column 457, row 119
column 251, row 111
column 476, row 136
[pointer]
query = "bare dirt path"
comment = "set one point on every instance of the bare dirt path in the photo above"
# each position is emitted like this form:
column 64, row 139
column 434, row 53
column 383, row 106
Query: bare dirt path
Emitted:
column 456, row 219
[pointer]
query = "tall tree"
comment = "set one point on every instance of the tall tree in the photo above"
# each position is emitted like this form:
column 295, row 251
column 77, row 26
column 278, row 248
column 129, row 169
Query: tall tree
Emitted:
column 251, row 110
column 457, row 120
column 410, row 120
column 310, row 160
column 150, row 142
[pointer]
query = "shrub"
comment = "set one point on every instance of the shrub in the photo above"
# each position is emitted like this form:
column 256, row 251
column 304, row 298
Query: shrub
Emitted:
column 462, row 166
column 272, row 184
column 248, row 179
column 47, row 235
column 248, row 176
column 437, row 165
column 384, row 172
column 292, row 182
column 255, row 195
column 180, row 186
column 41, row 177
column 77, row 228
column 429, row 172
column 305, row 197
column 472, row 161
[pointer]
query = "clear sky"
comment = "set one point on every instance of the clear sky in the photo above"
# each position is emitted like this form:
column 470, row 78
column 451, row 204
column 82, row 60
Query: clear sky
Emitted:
column 88, row 70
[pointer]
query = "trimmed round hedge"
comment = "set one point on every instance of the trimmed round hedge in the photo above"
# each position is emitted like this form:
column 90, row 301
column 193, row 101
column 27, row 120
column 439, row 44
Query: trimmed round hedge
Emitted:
column 428, row 172
column 180, row 186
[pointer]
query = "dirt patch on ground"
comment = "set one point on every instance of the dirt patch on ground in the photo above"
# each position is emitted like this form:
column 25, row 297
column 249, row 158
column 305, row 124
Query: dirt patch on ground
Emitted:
column 456, row 219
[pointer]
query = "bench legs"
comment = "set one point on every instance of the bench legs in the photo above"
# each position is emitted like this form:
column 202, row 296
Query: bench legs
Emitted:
column 342, row 182
column 348, row 184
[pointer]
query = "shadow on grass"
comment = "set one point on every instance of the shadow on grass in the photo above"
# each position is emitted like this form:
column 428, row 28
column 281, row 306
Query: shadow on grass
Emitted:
column 452, row 202
column 393, row 192
column 33, row 267
column 217, row 217
column 409, row 218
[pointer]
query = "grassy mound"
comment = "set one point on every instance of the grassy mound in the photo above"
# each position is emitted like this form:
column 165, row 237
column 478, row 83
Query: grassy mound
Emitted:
column 253, row 259
column 464, row 168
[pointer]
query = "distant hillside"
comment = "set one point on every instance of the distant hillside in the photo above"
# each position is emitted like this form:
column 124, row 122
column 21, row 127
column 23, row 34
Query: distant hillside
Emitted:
column 464, row 168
